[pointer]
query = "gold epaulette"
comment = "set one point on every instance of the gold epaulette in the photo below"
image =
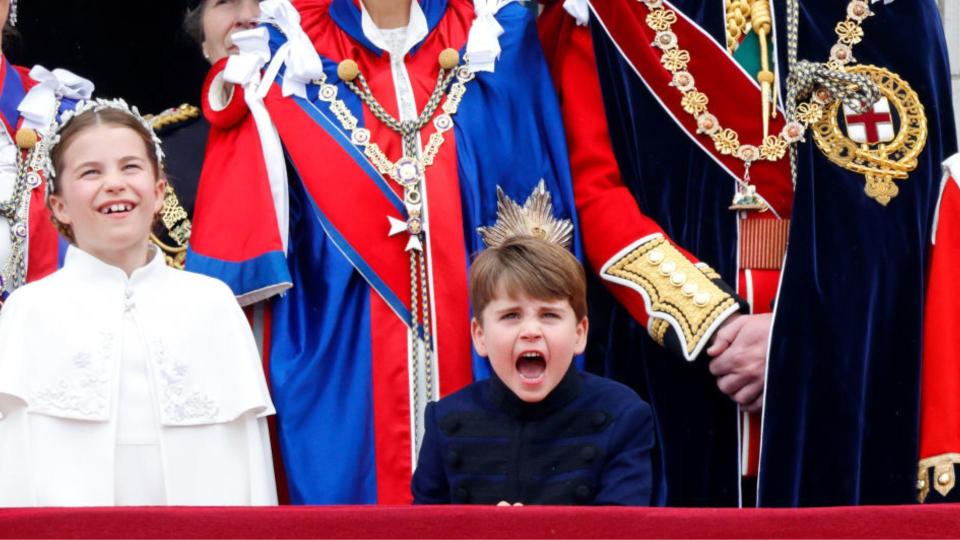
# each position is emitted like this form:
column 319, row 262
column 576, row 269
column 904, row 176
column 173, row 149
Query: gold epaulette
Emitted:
column 174, row 115
column 677, row 293
column 944, row 478
column 177, row 223
column 174, row 218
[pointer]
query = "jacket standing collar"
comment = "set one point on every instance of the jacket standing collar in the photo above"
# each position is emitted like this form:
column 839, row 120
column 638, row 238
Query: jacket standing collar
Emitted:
column 89, row 269
column 565, row 392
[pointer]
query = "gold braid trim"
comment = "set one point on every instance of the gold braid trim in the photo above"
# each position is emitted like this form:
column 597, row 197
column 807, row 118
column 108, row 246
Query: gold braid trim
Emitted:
column 176, row 257
column 173, row 216
column 177, row 223
column 944, row 477
column 658, row 330
column 677, row 290
column 707, row 271
column 173, row 116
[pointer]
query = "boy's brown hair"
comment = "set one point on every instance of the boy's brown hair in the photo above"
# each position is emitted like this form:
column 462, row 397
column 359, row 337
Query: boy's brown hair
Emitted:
column 530, row 266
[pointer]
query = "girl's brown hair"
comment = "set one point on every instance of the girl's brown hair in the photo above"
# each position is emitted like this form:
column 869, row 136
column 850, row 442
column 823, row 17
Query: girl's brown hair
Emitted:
column 88, row 119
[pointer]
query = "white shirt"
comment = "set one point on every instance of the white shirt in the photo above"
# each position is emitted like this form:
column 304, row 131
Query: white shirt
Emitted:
column 93, row 361
column 397, row 42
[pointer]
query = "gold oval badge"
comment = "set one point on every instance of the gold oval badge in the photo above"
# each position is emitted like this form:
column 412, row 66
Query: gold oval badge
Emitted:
column 883, row 142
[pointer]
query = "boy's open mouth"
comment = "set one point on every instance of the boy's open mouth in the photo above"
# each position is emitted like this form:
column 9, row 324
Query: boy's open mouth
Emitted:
column 531, row 366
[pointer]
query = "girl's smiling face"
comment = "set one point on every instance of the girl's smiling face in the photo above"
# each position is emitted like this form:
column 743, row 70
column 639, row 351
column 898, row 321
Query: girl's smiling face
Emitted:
column 108, row 191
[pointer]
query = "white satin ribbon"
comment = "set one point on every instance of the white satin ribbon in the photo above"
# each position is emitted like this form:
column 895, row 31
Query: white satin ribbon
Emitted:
column 39, row 106
column 297, row 55
column 254, row 53
column 579, row 10
column 483, row 42
column 244, row 69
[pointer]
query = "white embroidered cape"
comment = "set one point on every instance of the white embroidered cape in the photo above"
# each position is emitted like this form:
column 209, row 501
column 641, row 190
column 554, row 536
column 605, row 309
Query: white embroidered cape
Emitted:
column 59, row 383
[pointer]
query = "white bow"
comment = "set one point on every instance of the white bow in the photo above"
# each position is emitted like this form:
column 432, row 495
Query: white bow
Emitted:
column 303, row 64
column 244, row 67
column 39, row 106
column 579, row 10
column 483, row 42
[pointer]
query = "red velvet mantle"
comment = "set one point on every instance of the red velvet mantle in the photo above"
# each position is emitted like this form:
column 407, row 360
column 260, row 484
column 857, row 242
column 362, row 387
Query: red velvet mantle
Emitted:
column 939, row 521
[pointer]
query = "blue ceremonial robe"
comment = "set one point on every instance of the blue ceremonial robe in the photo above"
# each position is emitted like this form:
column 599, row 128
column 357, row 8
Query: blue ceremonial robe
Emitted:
column 841, row 410
column 339, row 366
column 842, row 407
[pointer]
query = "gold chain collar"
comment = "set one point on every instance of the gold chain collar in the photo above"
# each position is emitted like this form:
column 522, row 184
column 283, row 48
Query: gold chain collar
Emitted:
column 726, row 140
column 407, row 172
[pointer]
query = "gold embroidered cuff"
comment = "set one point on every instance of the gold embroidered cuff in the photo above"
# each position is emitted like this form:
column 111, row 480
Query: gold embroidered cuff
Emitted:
column 677, row 293
column 944, row 477
column 658, row 331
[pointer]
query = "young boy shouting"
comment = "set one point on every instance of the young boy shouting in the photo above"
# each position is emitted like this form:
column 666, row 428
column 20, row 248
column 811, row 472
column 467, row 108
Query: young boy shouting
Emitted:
column 538, row 431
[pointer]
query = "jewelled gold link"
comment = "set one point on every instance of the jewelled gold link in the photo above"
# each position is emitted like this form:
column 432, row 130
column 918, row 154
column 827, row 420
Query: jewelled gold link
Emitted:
column 420, row 326
column 15, row 210
column 420, row 316
column 855, row 90
column 409, row 129
column 852, row 89
column 371, row 149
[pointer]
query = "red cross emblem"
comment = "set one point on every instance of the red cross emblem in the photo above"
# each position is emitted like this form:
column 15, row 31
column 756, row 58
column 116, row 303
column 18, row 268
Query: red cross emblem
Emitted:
column 873, row 126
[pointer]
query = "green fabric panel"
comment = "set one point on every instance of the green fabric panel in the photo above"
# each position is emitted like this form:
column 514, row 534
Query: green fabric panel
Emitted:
column 748, row 53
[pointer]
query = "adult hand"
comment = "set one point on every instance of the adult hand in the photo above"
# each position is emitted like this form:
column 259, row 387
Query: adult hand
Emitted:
column 739, row 352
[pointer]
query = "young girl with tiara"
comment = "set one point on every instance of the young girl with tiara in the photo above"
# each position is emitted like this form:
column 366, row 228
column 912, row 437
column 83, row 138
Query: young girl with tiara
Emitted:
column 123, row 381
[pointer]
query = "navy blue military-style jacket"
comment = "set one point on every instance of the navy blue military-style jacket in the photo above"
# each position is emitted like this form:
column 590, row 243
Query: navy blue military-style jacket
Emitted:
column 587, row 443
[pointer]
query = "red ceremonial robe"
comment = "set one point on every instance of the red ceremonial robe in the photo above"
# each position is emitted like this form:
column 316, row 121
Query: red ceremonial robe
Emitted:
column 42, row 238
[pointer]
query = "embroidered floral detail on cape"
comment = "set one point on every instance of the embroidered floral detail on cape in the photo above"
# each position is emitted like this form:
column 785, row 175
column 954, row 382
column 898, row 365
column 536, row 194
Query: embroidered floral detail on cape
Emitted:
column 180, row 403
column 84, row 391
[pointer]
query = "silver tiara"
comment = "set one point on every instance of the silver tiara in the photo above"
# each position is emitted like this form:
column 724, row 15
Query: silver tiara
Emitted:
column 52, row 136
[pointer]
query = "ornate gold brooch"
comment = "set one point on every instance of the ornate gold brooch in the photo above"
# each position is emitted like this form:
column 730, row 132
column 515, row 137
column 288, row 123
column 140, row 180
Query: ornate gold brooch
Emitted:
column 882, row 142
